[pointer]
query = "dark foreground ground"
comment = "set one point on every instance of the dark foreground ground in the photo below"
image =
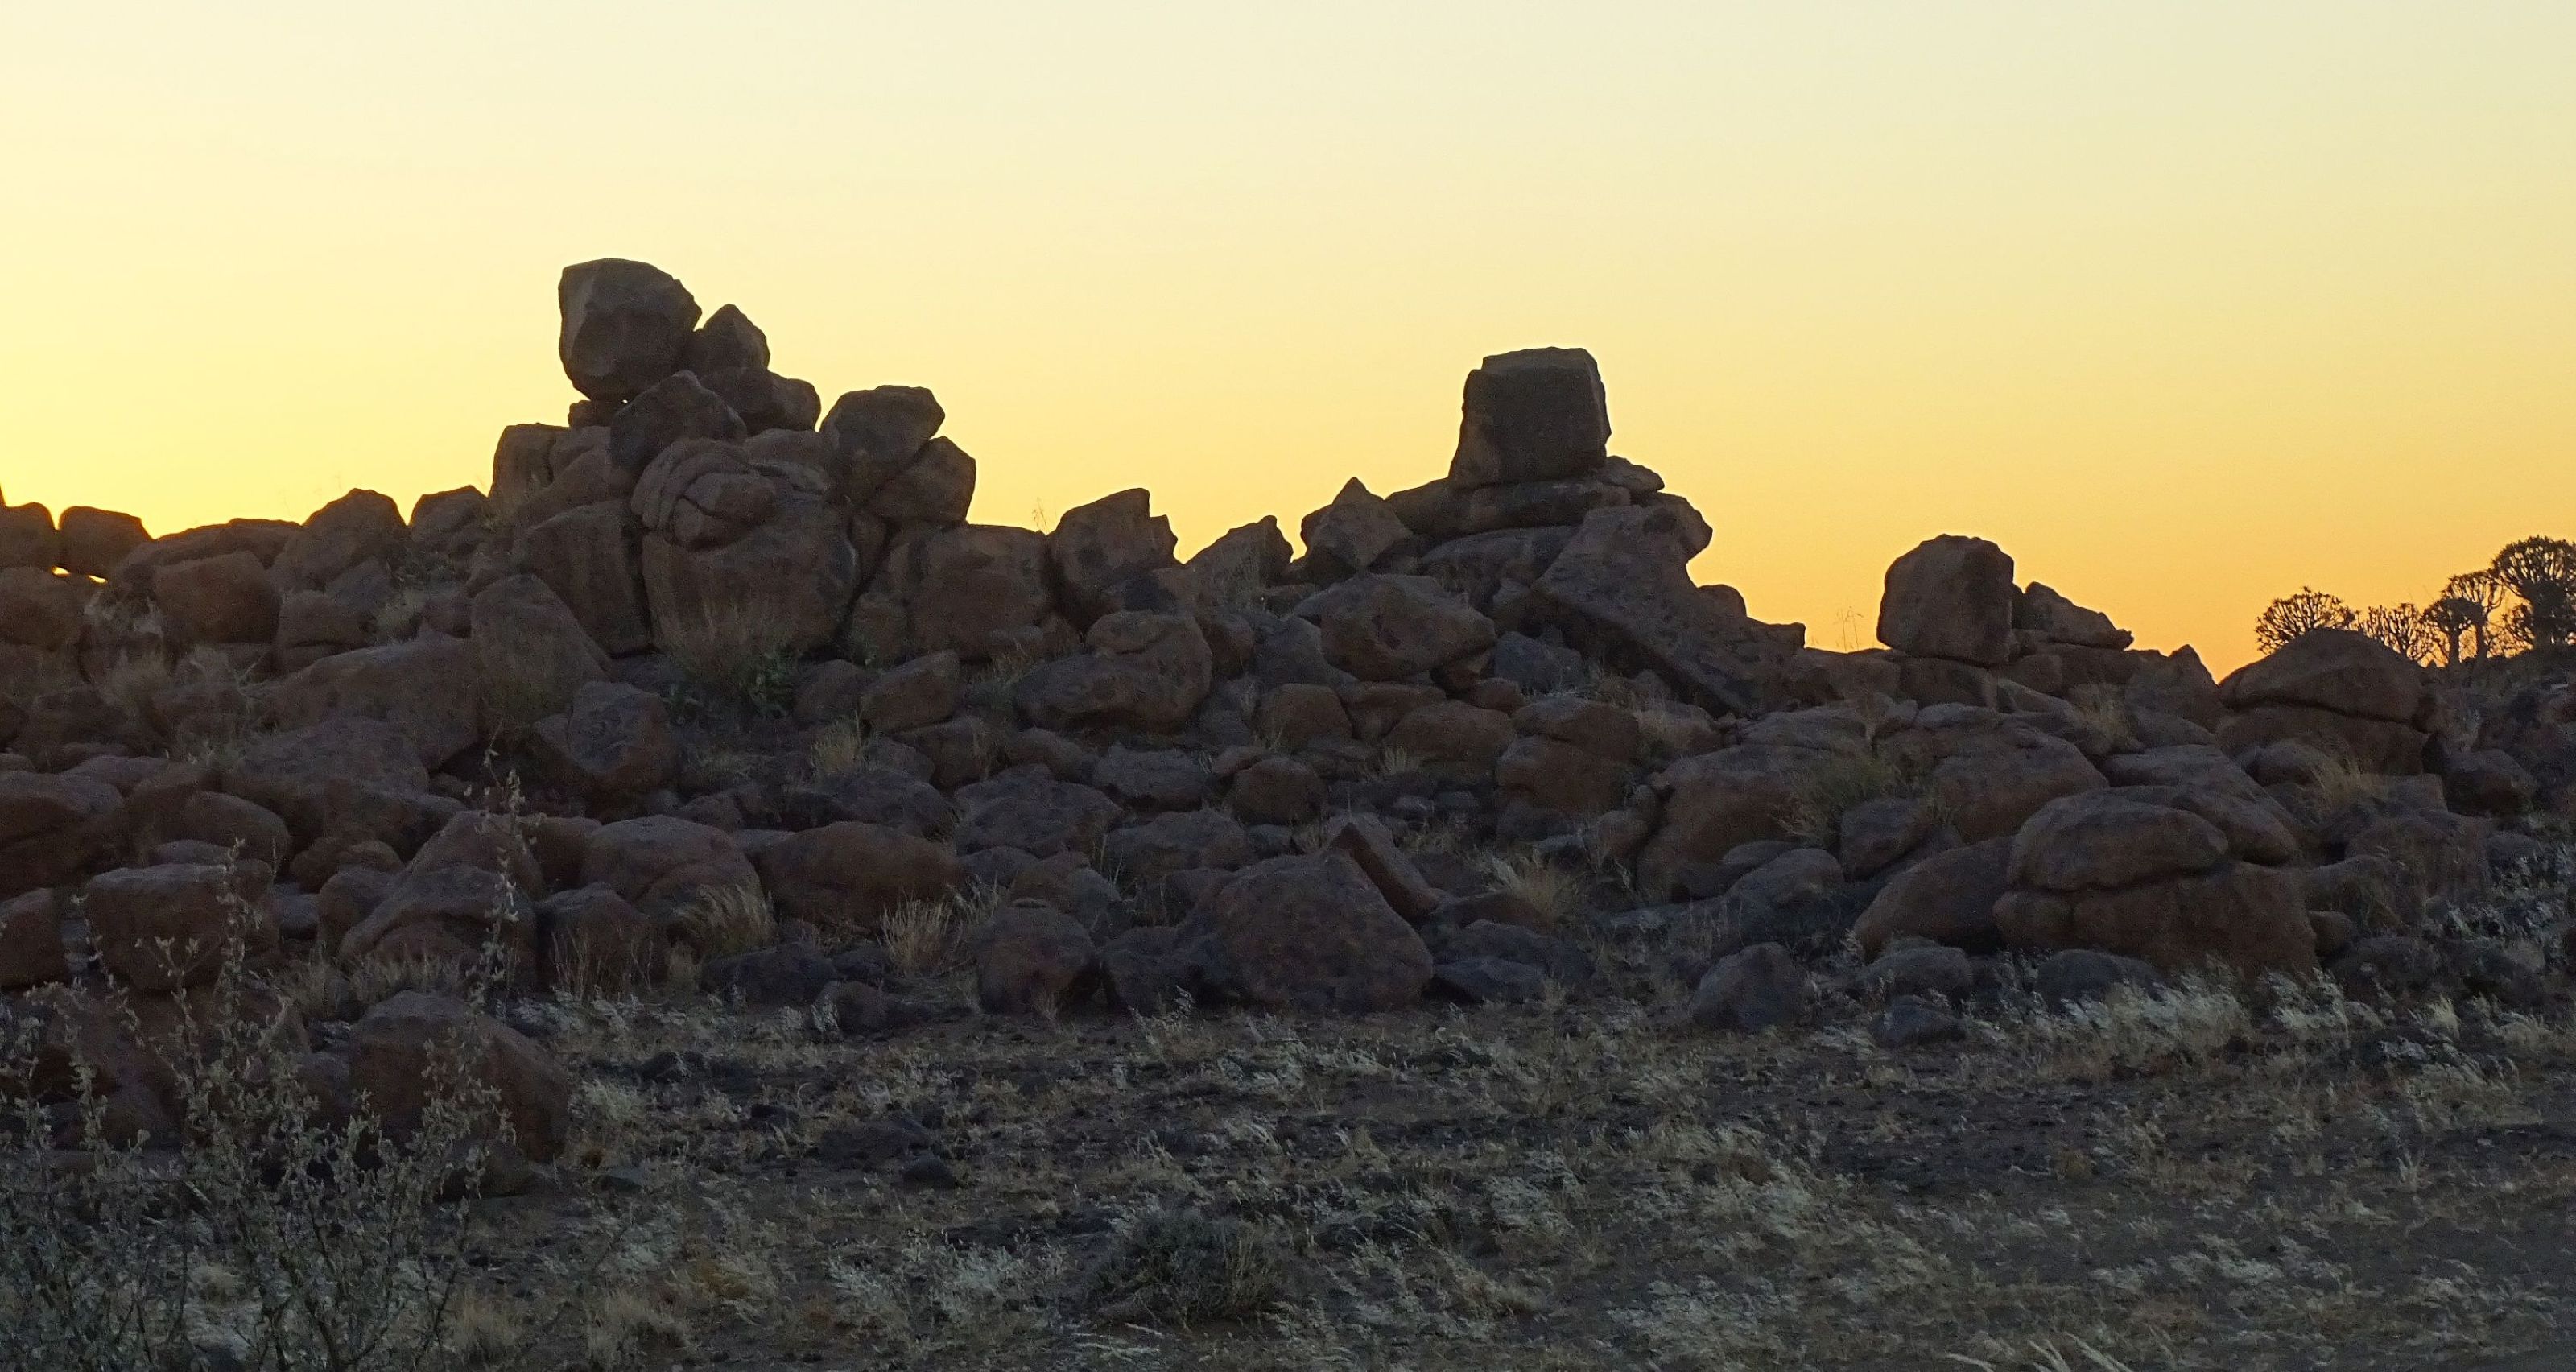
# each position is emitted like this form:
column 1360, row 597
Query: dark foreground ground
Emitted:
column 2210, row 1179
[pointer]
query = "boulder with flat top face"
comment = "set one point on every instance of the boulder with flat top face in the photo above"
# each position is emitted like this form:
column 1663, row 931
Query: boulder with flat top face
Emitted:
column 1539, row 414
column 28, row 537
column 1951, row 597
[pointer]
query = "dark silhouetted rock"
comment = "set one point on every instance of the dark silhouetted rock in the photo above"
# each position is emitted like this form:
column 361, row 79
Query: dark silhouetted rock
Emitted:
column 1535, row 415
column 1951, row 597
column 626, row 325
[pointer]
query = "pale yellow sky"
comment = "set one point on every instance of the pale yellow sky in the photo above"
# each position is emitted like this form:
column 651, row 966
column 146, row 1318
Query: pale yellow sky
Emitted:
column 2184, row 304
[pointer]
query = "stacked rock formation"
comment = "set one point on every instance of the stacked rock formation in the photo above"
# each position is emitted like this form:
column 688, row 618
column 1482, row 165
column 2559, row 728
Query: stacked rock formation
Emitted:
column 711, row 646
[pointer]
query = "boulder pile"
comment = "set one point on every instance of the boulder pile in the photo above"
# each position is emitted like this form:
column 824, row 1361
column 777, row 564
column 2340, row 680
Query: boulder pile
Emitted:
column 712, row 681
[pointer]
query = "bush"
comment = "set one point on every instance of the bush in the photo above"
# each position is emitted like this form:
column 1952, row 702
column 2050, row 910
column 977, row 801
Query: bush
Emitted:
column 283, row 1232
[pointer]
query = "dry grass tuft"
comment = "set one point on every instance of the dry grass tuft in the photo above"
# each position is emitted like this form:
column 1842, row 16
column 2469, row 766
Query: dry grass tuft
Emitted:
column 1181, row 1267
column 375, row 980
column 131, row 682
column 2342, row 781
column 1004, row 669
column 2105, row 712
column 629, row 1321
column 927, row 938
column 1394, row 762
column 483, row 1332
column 721, row 921
column 1555, row 892
column 1815, row 817
column 839, row 748
column 398, row 617
column 736, row 652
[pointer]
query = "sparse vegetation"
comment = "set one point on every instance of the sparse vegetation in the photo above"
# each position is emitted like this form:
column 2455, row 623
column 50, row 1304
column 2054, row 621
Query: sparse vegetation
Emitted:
column 1182, row 1266
column 1815, row 816
column 737, row 653
column 720, row 921
column 839, row 748
column 276, row 1234
column 925, row 938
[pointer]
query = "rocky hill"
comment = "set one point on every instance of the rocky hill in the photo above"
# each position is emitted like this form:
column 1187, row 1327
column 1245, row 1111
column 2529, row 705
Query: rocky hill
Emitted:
column 717, row 692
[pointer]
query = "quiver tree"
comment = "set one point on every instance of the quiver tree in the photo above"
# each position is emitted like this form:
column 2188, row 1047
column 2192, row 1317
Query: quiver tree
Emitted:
column 2404, row 630
column 2467, row 608
column 2541, row 572
column 2285, row 620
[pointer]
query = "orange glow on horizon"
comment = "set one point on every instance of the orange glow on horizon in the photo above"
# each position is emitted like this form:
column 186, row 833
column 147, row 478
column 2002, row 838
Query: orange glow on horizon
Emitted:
column 2185, row 305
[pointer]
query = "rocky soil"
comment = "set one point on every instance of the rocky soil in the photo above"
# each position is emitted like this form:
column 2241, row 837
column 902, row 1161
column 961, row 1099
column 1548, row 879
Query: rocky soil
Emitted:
column 895, row 940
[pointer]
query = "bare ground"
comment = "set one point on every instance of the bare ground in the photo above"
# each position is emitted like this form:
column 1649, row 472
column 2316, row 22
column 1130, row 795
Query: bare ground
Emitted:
column 2273, row 1179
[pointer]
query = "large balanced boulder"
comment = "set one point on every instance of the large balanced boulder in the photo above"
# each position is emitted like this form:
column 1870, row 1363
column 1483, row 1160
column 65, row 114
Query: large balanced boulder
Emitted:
column 31, row 942
column 346, row 775
column 584, row 556
column 1988, row 772
column 1951, row 597
column 358, row 528
column 625, row 326
column 1024, row 808
column 976, row 589
column 876, row 434
column 222, row 599
column 671, row 410
column 1306, row 933
column 472, row 887
column 2331, row 669
column 28, row 537
column 1030, row 958
column 39, row 609
column 1948, row 898
column 94, row 540
column 2144, row 873
column 1350, row 535
column 614, row 743
column 1539, row 414
column 530, row 653
column 1748, row 792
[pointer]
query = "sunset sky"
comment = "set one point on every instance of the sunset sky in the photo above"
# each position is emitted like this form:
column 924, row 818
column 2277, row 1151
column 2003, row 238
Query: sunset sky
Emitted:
column 2184, row 304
